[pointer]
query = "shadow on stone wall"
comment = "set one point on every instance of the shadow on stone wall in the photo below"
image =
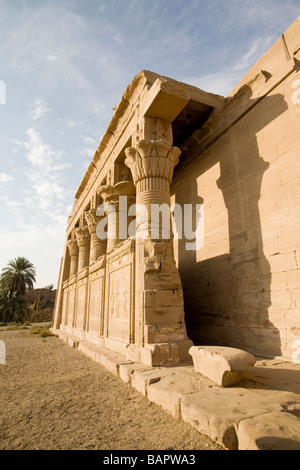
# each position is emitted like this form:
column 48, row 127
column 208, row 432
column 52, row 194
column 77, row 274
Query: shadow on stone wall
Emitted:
column 227, row 297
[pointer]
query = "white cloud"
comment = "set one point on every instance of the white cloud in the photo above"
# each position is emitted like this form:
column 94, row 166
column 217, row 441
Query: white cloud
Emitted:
column 44, row 174
column 220, row 83
column 87, row 140
column 88, row 151
column 254, row 52
column 39, row 109
column 70, row 122
column 38, row 153
column 4, row 178
column 51, row 57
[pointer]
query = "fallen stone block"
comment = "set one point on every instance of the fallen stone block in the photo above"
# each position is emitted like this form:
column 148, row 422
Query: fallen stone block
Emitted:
column 222, row 365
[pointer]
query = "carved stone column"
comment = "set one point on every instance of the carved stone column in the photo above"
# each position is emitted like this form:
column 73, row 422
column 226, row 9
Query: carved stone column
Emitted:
column 73, row 250
column 152, row 164
column 98, row 247
column 83, row 241
column 160, row 333
column 116, row 209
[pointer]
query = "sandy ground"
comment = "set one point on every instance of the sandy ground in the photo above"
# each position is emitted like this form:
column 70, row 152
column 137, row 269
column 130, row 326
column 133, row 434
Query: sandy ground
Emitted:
column 54, row 397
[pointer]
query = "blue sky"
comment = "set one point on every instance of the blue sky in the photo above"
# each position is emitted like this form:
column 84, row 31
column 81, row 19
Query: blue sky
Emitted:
column 66, row 64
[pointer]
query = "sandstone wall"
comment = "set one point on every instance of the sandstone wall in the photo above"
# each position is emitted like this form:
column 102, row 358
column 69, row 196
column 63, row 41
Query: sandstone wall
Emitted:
column 242, row 288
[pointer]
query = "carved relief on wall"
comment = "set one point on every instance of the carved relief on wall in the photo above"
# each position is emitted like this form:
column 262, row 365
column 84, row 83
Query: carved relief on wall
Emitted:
column 119, row 306
column 81, row 302
column 95, row 306
column 64, row 315
column 71, row 306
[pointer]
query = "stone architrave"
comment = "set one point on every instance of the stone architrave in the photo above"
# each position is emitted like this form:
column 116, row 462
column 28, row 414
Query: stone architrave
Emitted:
column 98, row 247
column 117, row 211
column 73, row 250
column 160, row 333
column 83, row 241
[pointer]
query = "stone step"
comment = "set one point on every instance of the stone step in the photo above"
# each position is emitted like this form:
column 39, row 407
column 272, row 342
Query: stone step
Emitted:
column 246, row 417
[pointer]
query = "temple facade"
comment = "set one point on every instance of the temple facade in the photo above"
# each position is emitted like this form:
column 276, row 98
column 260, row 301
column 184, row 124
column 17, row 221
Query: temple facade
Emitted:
column 226, row 270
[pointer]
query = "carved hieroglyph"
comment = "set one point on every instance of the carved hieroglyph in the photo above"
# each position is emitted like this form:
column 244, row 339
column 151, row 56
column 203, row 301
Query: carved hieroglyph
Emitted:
column 81, row 306
column 120, row 304
column 95, row 306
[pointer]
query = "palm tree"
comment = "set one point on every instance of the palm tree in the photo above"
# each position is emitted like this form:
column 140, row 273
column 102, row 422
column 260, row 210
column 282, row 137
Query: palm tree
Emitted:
column 13, row 307
column 18, row 276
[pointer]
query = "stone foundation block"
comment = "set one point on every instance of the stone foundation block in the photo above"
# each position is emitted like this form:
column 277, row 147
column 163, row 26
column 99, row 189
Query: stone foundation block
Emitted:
column 222, row 365
column 90, row 350
column 112, row 361
column 160, row 354
column 141, row 379
column 271, row 431
column 218, row 412
column 126, row 371
column 71, row 340
column 169, row 391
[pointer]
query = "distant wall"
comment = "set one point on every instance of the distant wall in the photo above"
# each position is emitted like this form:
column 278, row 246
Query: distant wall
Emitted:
column 242, row 288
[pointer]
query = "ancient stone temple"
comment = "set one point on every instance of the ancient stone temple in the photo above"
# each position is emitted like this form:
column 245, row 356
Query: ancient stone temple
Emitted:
column 150, row 291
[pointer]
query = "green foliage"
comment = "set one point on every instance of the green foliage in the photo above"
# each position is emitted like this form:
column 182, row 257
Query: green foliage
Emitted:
column 13, row 307
column 18, row 276
column 50, row 287
column 45, row 333
column 42, row 331
column 21, row 327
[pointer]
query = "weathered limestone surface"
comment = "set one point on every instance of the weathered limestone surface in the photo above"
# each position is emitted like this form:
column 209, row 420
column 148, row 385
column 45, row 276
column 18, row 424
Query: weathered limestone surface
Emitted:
column 222, row 365
column 241, row 288
column 220, row 414
column 169, row 390
column 272, row 431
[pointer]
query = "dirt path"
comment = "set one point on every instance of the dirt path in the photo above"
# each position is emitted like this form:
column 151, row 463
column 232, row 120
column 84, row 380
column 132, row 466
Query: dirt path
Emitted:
column 53, row 397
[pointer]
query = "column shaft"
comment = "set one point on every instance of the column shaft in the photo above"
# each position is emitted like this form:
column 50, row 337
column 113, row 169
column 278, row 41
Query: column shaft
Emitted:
column 83, row 240
column 160, row 333
column 73, row 250
column 97, row 246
